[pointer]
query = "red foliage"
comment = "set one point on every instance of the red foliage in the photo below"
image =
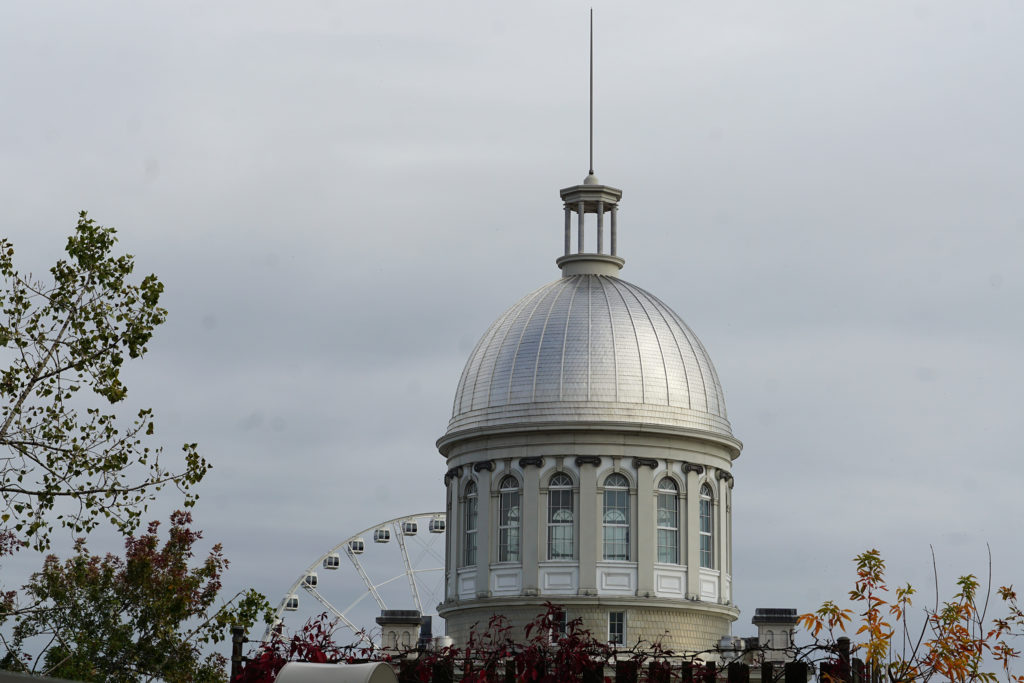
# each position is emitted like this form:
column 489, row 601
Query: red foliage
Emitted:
column 548, row 655
column 313, row 643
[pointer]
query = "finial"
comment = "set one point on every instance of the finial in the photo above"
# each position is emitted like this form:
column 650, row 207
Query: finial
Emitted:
column 591, row 91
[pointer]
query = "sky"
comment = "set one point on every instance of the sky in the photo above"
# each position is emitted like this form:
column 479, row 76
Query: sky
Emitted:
column 340, row 197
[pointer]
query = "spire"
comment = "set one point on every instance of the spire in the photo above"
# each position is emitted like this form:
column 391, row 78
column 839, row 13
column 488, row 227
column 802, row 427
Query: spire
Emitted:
column 594, row 198
column 591, row 179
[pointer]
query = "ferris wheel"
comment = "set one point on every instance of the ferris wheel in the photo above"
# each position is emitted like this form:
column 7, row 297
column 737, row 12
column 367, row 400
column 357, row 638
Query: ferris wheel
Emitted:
column 396, row 564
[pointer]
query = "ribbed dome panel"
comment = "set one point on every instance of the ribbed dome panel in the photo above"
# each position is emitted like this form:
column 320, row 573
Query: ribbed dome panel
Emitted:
column 590, row 348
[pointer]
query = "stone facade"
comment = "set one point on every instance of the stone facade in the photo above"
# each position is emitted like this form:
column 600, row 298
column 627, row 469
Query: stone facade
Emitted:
column 679, row 630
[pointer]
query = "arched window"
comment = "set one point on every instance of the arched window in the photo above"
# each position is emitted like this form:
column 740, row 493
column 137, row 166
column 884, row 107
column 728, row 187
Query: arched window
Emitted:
column 668, row 521
column 508, row 520
column 707, row 529
column 616, row 517
column 469, row 525
column 560, row 518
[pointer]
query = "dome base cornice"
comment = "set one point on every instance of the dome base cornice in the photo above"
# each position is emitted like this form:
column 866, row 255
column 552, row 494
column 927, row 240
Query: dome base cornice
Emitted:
column 449, row 440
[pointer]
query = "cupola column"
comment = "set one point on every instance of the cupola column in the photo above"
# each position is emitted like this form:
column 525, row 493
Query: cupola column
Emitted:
column 600, row 227
column 568, row 230
column 615, row 246
column 579, row 243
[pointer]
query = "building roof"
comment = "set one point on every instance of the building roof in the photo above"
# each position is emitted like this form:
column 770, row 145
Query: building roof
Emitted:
column 589, row 348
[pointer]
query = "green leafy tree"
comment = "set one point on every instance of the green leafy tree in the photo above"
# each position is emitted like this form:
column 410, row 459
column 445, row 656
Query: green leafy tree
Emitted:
column 65, row 460
column 147, row 616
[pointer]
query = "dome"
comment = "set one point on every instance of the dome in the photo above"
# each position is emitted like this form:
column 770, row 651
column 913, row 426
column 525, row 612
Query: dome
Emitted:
column 589, row 348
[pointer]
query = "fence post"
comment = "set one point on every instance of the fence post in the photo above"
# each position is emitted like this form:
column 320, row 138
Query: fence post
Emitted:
column 510, row 671
column 767, row 672
column 593, row 672
column 843, row 645
column 858, row 673
column 237, row 640
column 407, row 671
column 626, row 671
column 443, row 671
column 738, row 672
column 796, row 672
column 686, row 672
column 659, row 672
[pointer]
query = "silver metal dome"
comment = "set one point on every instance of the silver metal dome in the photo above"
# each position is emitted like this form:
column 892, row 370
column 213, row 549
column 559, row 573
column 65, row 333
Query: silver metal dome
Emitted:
column 589, row 348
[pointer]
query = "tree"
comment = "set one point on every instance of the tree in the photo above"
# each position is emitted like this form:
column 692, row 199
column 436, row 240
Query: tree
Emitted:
column 64, row 460
column 958, row 640
column 146, row 616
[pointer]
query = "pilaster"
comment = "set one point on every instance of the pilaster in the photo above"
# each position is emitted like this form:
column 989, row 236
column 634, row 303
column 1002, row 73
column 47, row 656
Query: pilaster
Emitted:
column 485, row 501
column 590, row 524
column 645, row 524
column 530, row 521
column 722, row 534
column 692, row 529
column 452, row 538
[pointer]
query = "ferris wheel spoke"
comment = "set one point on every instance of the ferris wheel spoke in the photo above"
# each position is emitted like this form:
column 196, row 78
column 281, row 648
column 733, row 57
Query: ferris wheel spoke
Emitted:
column 366, row 579
column 426, row 550
column 331, row 608
column 421, row 568
column 408, row 568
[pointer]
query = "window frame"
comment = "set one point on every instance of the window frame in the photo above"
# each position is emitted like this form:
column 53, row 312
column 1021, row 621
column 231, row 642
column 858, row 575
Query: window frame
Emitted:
column 561, row 500
column 615, row 535
column 617, row 622
column 707, row 527
column 510, row 505
column 667, row 534
column 470, row 517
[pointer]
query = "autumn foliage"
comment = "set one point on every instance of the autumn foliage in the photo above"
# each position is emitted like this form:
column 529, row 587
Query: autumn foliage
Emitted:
column 552, row 651
column 148, row 615
column 958, row 640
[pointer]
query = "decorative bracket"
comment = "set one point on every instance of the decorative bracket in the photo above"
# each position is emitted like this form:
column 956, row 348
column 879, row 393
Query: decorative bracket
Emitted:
column 453, row 473
column 691, row 467
column 485, row 465
column 644, row 462
column 535, row 461
column 594, row 460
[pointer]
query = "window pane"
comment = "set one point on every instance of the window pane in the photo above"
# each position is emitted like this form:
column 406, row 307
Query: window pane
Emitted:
column 560, row 542
column 616, row 542
column 560, row 518
column 469, row 536
column 616, row 481
column 668, row 546
column 508, row 523
column 707, row 543
column 561, row 480
column 616, row 520
column 616, row 628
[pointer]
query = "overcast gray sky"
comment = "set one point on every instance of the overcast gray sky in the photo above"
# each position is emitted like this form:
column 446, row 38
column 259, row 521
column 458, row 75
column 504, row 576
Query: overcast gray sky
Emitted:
column 341, row 196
